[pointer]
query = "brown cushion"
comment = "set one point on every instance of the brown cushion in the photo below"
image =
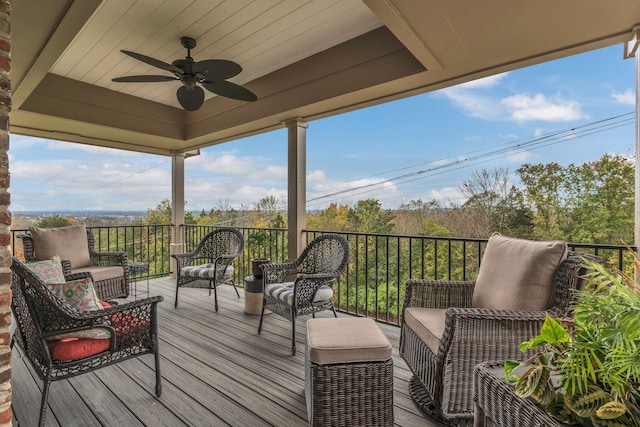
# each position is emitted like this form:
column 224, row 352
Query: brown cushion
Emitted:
column 346, row 340
column 427, row 323
column 68, row 243
column 100, row 273
column 518, row 274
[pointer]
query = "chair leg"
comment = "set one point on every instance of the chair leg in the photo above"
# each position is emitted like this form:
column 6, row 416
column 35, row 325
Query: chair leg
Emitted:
column 264, row 302
column 45, row 395
column 293, row 335
column 158, row 374
column 215, row 295
column 334, row 311
column 175, row 305
column 233, row 282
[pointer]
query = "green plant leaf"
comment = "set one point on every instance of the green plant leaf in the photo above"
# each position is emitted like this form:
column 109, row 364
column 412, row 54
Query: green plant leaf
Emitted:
column 611, row 410
column 530, row 380
column 586, row 405
column 553, row 332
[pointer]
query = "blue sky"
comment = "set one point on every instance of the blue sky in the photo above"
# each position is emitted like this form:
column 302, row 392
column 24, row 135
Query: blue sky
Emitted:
column 436, row 140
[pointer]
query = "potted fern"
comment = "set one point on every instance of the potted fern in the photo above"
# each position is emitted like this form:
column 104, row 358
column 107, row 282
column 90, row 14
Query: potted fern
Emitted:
column 587, row 368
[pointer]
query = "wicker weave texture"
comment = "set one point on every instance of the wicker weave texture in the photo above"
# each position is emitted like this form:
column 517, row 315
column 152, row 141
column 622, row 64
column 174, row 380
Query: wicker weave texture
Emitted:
column 108, row 289
column 497, row 404
column 320, row 264
column 472, row 336
column 40, row 313
column 220, row 248
column 356, row 394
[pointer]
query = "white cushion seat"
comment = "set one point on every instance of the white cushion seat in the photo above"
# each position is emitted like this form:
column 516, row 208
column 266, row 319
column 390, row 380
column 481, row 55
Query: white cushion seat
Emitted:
column 284, row 292
column 207, row 271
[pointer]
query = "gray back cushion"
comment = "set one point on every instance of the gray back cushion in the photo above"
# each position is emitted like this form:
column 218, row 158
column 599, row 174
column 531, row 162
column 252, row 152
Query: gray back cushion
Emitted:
column 518, row 274
column 66, row 242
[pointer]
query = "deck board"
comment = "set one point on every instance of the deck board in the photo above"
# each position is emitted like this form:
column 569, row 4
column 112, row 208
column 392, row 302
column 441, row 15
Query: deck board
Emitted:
column 216, row 370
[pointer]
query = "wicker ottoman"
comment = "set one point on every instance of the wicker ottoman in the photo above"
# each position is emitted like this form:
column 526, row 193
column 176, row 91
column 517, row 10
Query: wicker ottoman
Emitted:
column 349, row 373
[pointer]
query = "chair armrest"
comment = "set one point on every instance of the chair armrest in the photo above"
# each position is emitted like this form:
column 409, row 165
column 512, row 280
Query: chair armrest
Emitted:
column 500, row 330
column 277, row 273
column 140, row 314
column 438, row 293
column 109, row 259
column 184, row 259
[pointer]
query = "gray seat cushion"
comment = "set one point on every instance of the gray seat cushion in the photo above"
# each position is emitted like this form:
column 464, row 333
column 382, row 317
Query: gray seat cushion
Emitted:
column 100, row 273
column 346, row 340
column 427, row 323
column 69, row 243
column 518, row 274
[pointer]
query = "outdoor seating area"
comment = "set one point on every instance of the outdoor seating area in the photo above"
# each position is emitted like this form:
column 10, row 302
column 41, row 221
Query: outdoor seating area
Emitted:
column 75, row 245
column 216, row 370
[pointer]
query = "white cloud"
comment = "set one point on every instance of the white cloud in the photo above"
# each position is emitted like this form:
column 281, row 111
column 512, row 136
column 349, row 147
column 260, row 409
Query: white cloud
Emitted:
column 316, row 175
column 447, row 194
column 485, row 82
column 628, row 97
column 526, row 108
column 538, row 132
column 519, row 157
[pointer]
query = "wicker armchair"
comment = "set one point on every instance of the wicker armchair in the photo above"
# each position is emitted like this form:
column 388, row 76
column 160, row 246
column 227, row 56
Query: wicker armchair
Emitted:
column 209, row 264
column 311, row 291
column 40, row 315
column 109, row 270
column 443, row 379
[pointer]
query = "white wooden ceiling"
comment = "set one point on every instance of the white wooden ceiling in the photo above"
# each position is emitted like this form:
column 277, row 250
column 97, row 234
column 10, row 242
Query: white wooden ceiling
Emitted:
column 261, row 35
column 304, row 59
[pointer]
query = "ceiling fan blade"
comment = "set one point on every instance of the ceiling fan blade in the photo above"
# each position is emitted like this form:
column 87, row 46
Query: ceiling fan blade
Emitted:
column 191, row 98
column 230, row 90
column 143, row 79
column 216, row 69
column 154, row 62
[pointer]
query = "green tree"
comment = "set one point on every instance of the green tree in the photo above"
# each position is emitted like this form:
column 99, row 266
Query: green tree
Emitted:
column 54, row 221
column 544, row 186
column 369, row 217
column 601, row 201
column 333, row 218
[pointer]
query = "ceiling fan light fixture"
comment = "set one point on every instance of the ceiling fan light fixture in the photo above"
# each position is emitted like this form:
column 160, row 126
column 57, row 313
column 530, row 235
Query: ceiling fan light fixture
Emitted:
column 212, row 74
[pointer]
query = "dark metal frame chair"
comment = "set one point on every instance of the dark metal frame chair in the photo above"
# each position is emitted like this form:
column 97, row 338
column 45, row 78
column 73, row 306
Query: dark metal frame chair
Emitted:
column 39, row 314
column 213, row 255
column 320, row 264
column 107, row 289
column 442, row 381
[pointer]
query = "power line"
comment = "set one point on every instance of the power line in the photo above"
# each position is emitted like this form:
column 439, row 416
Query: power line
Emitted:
column 510, row 148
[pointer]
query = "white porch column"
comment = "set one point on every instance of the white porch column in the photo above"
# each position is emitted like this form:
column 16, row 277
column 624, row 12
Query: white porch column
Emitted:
column 177, row 207
column 297, row 185
column 631, row 50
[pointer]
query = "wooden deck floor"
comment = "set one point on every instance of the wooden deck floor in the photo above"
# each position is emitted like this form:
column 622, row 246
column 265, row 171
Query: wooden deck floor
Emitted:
column 216, row 371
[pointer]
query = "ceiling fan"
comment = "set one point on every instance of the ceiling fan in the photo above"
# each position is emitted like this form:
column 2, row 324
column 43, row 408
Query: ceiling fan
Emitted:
column 210, row 73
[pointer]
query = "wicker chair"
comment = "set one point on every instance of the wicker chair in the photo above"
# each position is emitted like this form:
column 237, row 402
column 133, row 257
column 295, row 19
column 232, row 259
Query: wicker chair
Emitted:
column 209, row 264
column 40, row 315
column 311, row 291
column 109, row 282
column 443, row 379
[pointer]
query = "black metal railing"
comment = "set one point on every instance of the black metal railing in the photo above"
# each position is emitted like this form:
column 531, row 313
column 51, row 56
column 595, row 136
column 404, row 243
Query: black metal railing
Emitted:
column 373, row 282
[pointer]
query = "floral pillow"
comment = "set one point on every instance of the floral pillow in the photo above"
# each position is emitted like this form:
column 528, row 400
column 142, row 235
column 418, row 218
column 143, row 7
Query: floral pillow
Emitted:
column 79, row 294
column 49, row 271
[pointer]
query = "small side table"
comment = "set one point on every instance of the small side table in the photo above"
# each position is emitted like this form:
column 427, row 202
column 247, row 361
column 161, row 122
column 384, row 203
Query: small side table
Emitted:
column 497, row 404
column 253, row 295
column 137, row 271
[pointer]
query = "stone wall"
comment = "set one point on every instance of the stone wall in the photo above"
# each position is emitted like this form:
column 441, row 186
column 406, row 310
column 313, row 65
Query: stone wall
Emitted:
column 5, row 215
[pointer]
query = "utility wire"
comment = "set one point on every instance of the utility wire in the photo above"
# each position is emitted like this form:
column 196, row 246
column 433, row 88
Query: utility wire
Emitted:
column 513, row 147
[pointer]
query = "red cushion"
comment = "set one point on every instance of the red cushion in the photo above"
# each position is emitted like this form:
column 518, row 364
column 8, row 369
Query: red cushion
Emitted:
column 76, row 348
column 105, row 304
